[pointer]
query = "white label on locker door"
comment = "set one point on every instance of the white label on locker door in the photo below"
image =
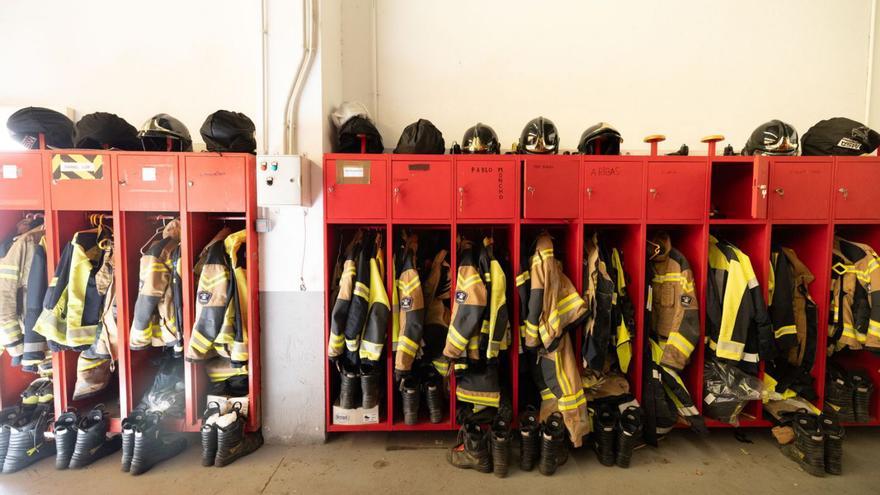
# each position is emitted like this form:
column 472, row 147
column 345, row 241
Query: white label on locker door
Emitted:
column 350, row 172
column 148, row 174
column 10, row 172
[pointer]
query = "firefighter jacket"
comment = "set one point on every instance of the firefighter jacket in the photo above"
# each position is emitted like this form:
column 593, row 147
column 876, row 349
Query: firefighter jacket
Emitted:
column 673, row 303
column 95, row 365
column 158, row 310
column 220, row 327
column 73, row 306
column 795, row 324
column 855, row 297
column 359, row 318
column 553, row 307
column 738, row 328
column 610, row 317
column 23, row 280
column 480, row 327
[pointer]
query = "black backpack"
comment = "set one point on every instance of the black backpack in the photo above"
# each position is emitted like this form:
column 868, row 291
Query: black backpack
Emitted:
column 101, row 130
column 421, row 138
column 839, row 136
column 26, row 124
column 349, row 141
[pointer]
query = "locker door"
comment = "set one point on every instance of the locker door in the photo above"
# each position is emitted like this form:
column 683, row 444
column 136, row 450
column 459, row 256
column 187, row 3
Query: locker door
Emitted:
column 613, row 189
column 551, row 187
column 677, row 190
column 856, row 192
column 148, row 182
column 21, row 181
column 799, row 187
column 760, row 187
column 485, row 189
column 421, row 189
column 355, row 188
column 80, row 181
column 215, row 183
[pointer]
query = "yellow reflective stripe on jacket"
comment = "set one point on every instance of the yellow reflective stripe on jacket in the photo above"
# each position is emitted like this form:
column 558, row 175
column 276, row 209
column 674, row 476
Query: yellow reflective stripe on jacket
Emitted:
column 454, row 337
column 785, row 330
column 624, row 346
column 370, row 350
column 408, row 287
column 408, row 346
column 686, row 285
column 522, row 278
column 477, row 399
column 573, row 401
column 547, row 394
column 464, row 283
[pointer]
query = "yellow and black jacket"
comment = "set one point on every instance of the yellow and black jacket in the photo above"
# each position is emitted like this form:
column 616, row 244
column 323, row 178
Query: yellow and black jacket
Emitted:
column 23, row 280
column 553, row 307
column 738, row 328
column 855, row 297
column 480, row 327
column 795, row 325
column 158, row 310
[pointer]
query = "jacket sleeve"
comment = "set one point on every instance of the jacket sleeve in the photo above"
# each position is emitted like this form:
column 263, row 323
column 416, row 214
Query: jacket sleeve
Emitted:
column 871, row 281
column 468, row 307
column 339, row 313
column 411, row 317
column 11, row 273
column 50, row 324
column 499, row 321
column 782, row 302
column 34, row 344
column 375, row 332
column 153, row 283
column 360, row 303
column 685, row 334
column 213, row 295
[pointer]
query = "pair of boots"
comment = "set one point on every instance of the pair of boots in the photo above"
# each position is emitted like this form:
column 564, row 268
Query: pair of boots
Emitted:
column 817, row 445
column 617, row 434
column 223, row 435
column 485, row 451
column 82, row 441
column 542, row 444
column 144, row 444
column 848, row 395
column 23, row 428
column 410, row 393
column 364, row 381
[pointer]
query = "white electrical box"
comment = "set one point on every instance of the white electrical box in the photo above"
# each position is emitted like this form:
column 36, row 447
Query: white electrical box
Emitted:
column 282, row 180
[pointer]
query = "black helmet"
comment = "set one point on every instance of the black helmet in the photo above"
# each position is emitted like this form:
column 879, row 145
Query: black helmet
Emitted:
column 101, row 130
column 421, row 137
column 600, row 139
column 840, row 136
column 539, row 136
column 348, row 136
column 480, row 139
column 156, row 132
column 772, row 138
column 225, row 131
column 27, row 124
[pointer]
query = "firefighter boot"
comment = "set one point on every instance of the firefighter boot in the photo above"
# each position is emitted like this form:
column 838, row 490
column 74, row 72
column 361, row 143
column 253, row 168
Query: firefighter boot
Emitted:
column 434, row 398
column 862, row 391
column 808, row 448
column 471, row 450
column 8, row 417
column 134, row 421
column 834, row 434
column 500, row 442
column 603, row 428
column 28, row 444
column 629, row 434
column 65, row 438
column 349, row 387
column 232, row 441
column 530, row 439
column 371, row 376
column 209, row 433
column 409, row 389
column 552, row 444
column 91, row 439
column 151, row 447
column 838, row 395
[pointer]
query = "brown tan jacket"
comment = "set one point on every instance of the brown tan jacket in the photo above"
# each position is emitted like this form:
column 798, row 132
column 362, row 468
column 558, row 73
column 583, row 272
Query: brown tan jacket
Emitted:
column 673, row 302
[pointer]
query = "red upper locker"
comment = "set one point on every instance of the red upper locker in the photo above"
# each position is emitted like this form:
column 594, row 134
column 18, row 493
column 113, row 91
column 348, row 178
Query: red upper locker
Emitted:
column 856, row 192
column 485, row 187
column 21, row 181
column 551, row 187
column 677, row 188
column 147, row 182
column 80, row 180
column 215, row 182
column 421, row 187
column 613, row 188
column 800, row 187
column 356, row 187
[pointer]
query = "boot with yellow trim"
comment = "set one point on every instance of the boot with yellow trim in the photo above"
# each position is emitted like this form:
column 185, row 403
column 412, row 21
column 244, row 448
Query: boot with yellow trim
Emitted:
column 409, row 390
column 28, row 442
column 808, row 448
column 863, row 389
column 604, row 423
column 65, row 438
column 629, row 434
column 232, row 440
column 838, row 395
column 92, row 442
column 834, row 434
column 349, row 387
column 208, row 432
column 530, row 438
column 8, row 417
column 434, row 397
column 371, row 378
column 552, row 444
column 471, row 450
column 499, row 440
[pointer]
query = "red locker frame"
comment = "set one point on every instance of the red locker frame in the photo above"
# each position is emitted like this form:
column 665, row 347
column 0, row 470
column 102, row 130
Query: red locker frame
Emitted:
column 137, row 191
column 751, row 201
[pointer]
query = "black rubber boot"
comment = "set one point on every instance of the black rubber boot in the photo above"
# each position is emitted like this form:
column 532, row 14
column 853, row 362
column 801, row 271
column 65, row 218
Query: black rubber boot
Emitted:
column 604, row 431
column 91, row 439
column 499, row 440
column 232, row 441
column 409, row 389
column 371, row 378
column 65, row 438
column 151, row 447
column 808, row 448
column 349, row 389
column 28, row 444
column 209, row 433
column 552, row 444
column 863, row 389
column 838, row 395
column 834, row 434
column 434, row 398
column 134, row 421
column 8, row 417
column 530, row 439
column 629, row 434
column 472, row 449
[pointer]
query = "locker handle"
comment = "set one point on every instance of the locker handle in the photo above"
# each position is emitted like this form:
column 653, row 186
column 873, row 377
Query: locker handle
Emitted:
column 460, row 199
column 653, row 192
column 190, row 183
column 844, row 191
column 396, row 193
column 531, row 190
column 589, row 193
column 763, row 189
column 780, row 191
column 331, row 188
column 122, row 182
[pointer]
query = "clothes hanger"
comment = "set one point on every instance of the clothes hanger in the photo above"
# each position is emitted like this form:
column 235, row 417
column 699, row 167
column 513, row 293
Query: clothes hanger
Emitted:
column 656, row 248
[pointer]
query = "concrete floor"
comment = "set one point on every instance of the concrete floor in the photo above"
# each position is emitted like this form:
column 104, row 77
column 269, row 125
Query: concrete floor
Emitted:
column 412, row 464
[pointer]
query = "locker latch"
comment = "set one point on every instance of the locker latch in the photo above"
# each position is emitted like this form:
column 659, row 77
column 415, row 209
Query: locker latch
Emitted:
column 763, row 189
column 844, row 191
column 590, row 193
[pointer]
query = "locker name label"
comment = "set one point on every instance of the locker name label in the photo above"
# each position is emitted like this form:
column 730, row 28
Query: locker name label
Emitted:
column 353, row 172
column 10, row 171
column 488, row 170
column 603, row 171
column 77, row 167
column 148, row 174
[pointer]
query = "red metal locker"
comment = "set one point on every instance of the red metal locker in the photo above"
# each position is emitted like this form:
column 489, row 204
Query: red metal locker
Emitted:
column 215, row 182
column 148, row 182
column 551, row 187
column 420, row 188
column 799, row 187
column 856, row 192
column 613, row 188
column 21, row 181
column 485, row 187
column 355, row 188
column 80, row 180
column 677, row 189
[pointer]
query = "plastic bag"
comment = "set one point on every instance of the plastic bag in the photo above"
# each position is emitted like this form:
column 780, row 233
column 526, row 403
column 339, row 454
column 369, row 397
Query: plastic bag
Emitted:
column 166, row 395
column 726, row 390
